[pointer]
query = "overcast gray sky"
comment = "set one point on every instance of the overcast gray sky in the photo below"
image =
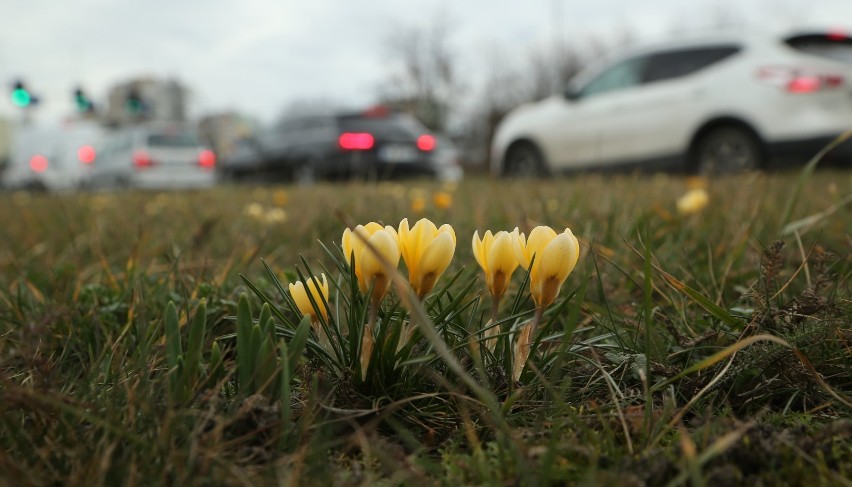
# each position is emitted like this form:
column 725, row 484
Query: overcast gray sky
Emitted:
column 257, row 56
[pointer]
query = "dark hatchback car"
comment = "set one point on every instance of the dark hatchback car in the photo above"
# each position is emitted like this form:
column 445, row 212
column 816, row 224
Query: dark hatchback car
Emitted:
column 373, row 144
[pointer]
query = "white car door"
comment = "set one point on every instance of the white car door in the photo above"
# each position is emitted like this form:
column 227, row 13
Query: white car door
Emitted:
column 654, row 121
column 577, row 131
column 569, row 133
column 648, row 122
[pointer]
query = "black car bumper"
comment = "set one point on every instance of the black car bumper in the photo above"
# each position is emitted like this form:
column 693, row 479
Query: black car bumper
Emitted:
column 367, row 164
column 801, row 151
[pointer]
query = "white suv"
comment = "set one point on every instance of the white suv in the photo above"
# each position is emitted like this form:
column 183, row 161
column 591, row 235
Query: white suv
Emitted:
column 719, row 104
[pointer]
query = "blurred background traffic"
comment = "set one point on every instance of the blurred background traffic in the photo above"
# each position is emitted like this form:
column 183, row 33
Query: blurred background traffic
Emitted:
column 164, row 95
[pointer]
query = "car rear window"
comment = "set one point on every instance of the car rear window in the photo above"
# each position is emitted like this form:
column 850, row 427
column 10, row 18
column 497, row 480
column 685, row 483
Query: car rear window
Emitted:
column 173, row 140
column 395, row 126
column 831, row 46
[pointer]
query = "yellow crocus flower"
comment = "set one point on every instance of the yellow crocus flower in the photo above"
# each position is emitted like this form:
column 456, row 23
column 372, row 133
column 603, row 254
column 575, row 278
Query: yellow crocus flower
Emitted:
column 555, row 258
column 442, row 200
column 427, row 251
column 693, row 201
column 303, row 302
column 418, row 204
column 495, row 255
column 368, row 266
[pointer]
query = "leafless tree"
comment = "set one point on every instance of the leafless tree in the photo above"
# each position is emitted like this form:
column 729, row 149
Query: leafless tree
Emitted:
column 425, row 78
column 546, row 71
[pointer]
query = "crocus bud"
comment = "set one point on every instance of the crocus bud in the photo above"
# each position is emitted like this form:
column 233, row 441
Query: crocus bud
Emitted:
column 300, row 296
column 366, row 244
column 553, row 257
column 495, row 255
column 427, row 251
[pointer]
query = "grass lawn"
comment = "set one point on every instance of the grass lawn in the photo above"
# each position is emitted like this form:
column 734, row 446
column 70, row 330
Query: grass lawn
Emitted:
column 705, row 349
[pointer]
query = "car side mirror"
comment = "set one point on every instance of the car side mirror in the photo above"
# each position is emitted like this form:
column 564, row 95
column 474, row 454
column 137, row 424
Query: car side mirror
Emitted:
column 571, row 94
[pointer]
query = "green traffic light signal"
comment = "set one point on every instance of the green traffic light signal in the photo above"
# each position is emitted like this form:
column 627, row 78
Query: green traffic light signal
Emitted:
column 21, row 97
column 133, row 106
column 84, row 104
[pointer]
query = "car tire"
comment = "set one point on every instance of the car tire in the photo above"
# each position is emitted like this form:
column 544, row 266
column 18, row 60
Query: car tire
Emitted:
column 727, row 150
column 524, row 160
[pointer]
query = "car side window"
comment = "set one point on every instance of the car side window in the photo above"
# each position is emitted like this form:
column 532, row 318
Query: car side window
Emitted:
column 675, row 64
column 313, row 123
column 287, row 125
column 625, row 74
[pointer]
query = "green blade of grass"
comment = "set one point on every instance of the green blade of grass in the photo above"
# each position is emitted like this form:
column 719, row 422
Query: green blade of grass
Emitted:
column 245, row 360
column 197, row 331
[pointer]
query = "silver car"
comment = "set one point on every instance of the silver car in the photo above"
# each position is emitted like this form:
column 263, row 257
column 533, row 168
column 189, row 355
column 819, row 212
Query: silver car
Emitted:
column 52, row 158
column 157, row 156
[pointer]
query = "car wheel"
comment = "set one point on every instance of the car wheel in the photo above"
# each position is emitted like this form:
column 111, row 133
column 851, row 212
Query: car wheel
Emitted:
column 728, row 150
column 524, row 161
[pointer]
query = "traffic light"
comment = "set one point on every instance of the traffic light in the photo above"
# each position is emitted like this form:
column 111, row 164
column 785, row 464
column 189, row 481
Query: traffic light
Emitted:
column 83, row 102
column 21, row 97
column 133, row 103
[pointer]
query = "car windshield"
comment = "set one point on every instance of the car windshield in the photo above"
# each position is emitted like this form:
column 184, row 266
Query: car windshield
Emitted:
column 389, row 126
column 184, row 139
column 836, row 47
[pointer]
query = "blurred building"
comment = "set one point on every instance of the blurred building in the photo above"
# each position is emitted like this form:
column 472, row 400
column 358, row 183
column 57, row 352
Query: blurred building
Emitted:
column 223, row 130
column 146, row 99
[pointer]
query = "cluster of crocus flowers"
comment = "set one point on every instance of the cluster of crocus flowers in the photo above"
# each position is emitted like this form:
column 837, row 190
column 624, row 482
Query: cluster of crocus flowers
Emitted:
column 375, row 251
column 548, row 256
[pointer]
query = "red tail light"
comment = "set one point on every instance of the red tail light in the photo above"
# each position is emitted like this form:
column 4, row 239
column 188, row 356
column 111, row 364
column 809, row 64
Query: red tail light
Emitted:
column 206, row 159
column 832, row 80
column 38, row 163
column 355, row 141
column 837, row 35
column 803, row 84
column 142, row 160
column 795, row 80
column 426, row 142
column 86, row 154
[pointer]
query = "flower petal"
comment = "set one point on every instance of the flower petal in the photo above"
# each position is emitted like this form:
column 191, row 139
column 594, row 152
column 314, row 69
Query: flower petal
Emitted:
column 438, row 254
column 372, row 228
column 300, row 297
column 447, row 228
column 519, row 245
column 501, row 255
column 406, row 244
column 478, row 250
column 370, row 264
column 556, row 260
column 319, row 294
column 539, row 238
column 422, row 233
column 346, row 243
